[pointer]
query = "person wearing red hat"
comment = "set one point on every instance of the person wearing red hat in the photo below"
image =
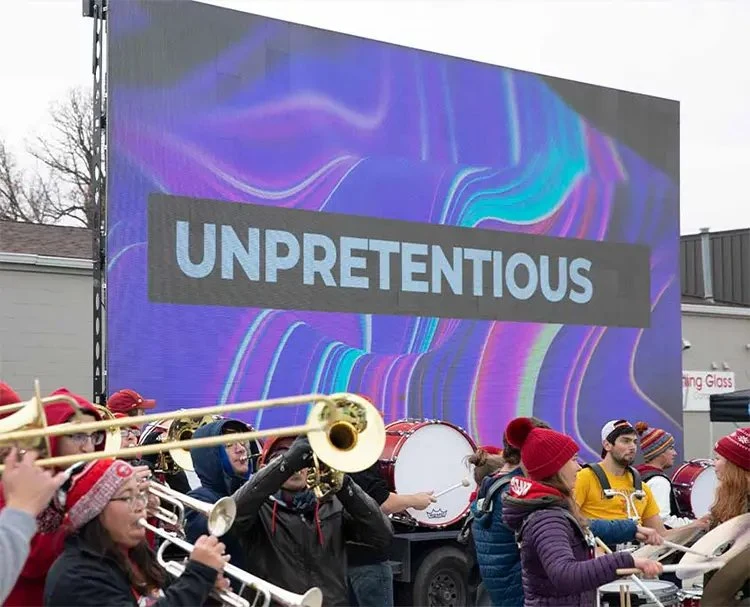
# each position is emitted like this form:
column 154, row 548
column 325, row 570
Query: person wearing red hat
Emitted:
column 28, row 490
column 129, row 402
column 558, row 561
column 106, row 560
column 732, row 497
column 732, row 463
column 294, row 540
column 47, row 544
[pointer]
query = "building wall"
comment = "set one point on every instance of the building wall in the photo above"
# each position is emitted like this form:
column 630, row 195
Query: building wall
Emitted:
column 719, row 340
column 46, row 321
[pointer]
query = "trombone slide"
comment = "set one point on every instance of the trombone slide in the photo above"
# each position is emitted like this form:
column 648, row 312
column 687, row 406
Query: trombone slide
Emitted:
column 312, row 598
column 176, row 569
column 220, row 515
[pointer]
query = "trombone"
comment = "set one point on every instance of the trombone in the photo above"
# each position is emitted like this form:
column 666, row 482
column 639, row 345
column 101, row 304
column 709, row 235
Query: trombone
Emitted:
column 345, row 431
column 265, row 590
column 220, row 515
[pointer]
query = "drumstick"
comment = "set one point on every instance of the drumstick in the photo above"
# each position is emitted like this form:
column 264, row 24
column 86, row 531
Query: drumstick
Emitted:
column 623, row 602
column 716, row 564
column 464, row 483
column 682, row 548
column 634, row 577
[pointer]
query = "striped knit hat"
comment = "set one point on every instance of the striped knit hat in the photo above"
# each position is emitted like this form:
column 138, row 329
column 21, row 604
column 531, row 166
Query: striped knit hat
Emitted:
column 736, row 447
column 654, row 441
column 93, row 488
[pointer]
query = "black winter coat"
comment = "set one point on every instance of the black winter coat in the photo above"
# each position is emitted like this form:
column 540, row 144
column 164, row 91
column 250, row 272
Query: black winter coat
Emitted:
column 293, row 551
column 81, row 577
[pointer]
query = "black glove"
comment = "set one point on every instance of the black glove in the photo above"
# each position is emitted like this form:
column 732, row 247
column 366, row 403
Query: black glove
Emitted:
column 299, row 455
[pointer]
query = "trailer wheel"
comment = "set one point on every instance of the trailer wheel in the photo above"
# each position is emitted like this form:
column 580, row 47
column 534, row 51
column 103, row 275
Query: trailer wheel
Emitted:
column 441, row 579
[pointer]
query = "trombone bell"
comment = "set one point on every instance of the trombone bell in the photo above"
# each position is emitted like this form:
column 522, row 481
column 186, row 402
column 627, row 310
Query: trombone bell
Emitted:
column 354, row 434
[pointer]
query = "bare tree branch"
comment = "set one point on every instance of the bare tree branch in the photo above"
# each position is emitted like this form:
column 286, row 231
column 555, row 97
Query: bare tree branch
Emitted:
column 24, row 198
column 67, row 152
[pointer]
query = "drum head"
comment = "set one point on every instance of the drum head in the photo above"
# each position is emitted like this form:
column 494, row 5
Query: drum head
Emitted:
column 702, row 492
column 433, row 458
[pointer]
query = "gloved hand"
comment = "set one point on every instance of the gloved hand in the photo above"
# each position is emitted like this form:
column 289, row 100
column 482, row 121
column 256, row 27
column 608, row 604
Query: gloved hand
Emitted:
column 299, row 455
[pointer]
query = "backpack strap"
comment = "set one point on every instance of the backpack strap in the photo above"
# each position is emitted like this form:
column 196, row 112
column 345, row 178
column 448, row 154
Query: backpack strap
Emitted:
column 485, row 504
column 609, row 493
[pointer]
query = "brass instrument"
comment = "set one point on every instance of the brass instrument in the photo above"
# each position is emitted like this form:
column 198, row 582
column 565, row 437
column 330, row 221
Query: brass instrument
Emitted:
column 30, row 414
column 113, row 438
column 265, row 590
column 180, row 429
column 346, row 432
column 220, row 515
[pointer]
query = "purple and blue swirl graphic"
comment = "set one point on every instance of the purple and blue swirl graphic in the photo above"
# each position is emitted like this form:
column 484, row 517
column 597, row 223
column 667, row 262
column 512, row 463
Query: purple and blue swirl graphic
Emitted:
column 292, row 117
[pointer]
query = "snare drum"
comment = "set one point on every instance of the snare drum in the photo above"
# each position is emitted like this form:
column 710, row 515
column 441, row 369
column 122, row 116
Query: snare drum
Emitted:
column 665, row 592
column 429, row 455
column 690, row 598
column 694, row 484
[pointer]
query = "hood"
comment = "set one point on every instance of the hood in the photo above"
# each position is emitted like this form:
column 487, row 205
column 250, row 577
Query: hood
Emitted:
column 212, row 465
column 61, row 412
column 526, row 496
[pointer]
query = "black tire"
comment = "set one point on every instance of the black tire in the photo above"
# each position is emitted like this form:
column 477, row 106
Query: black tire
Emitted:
column 441, row 579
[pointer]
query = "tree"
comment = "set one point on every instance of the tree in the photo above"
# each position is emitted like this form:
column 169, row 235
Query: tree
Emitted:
column 25, row 197
column 67, row 152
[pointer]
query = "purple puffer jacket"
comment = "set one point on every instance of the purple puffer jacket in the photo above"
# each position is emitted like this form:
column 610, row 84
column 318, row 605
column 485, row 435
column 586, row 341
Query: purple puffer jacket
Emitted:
column 558, row 568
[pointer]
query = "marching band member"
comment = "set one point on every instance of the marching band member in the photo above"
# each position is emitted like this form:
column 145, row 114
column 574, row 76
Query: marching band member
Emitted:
column 732, row 463
column 222, row 470
column 295, row 541
column 557, row 547
column 615, row 473
column 129, row 434
column 497, row 551
column 732, row 497
column 130, row 403
column 369, row 574
column 28, row 490
column 658, row 450
column 47, row 544
column 106, row 559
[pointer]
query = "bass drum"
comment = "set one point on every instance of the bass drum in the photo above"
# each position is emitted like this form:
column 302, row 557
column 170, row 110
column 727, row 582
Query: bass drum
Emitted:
column 694, row 484
column 430, row 455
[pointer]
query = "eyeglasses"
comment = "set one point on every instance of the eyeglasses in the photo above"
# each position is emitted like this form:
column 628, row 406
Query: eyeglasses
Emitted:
column 80, row 438
column 136, row 502
column 126, row 432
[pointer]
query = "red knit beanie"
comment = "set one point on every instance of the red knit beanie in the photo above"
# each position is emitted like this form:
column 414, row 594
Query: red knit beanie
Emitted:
column 93, row 488
column 736, row 447
column 543, row 451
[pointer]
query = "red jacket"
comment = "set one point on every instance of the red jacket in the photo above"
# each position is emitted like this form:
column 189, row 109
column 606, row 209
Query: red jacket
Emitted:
column 45, row 547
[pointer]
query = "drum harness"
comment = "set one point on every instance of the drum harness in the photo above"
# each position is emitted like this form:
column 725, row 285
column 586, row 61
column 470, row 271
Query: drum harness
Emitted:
column 609, row 493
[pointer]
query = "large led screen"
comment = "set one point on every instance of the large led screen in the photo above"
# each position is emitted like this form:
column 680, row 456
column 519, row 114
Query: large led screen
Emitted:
column 294, row 210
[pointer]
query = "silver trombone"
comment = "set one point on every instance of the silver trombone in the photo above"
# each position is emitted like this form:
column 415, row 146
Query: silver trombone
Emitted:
column 265, row 590
column 176, row 569
column 220, row 515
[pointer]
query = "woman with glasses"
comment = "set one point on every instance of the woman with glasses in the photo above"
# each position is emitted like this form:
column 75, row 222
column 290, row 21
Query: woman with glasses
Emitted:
column 106, row 560
column 47, row 544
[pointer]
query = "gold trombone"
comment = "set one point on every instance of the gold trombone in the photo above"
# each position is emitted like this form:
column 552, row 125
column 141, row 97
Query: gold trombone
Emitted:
column 265, row 590
column 220, row 515
column 346, row 432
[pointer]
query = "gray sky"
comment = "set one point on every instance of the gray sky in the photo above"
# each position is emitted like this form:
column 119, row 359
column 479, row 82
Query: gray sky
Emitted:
column 693, row 51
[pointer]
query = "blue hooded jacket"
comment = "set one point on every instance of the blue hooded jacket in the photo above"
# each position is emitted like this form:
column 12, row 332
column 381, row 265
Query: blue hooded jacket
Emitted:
column 498, row 556
column 217, row 480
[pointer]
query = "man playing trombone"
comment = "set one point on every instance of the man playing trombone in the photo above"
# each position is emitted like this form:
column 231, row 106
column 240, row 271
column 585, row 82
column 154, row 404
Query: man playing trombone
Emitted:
column 222, row 470
column 290, row 537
